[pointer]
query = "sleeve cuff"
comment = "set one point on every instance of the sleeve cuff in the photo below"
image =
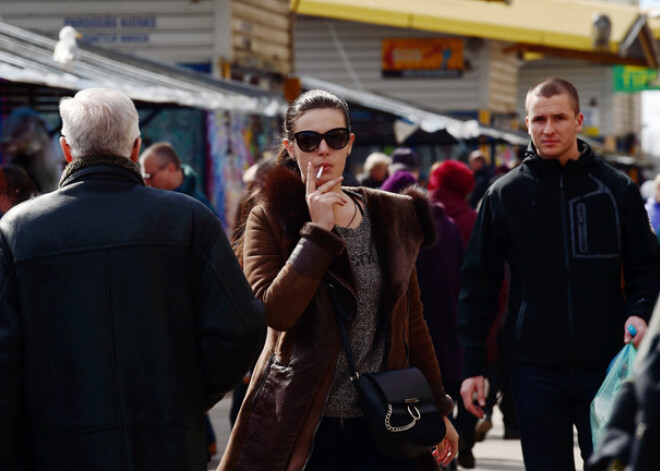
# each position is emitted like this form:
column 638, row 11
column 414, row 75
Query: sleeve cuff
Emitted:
column 446, row 405
column 315, row 251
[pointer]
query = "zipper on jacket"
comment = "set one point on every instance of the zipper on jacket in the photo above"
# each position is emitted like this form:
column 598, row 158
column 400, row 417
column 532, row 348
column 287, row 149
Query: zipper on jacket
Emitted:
column 262, row 380
column 583, row 236
column 567, row 266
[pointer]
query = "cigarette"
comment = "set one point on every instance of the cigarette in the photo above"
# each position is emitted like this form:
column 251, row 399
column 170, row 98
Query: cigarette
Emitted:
column 319, row 173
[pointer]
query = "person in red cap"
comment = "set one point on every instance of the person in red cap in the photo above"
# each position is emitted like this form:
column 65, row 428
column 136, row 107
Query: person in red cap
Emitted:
column 449, row 183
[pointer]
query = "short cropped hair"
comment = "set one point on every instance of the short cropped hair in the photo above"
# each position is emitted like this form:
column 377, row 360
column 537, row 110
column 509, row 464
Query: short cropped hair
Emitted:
column 551, row 86
column 99, row 121
column 164, row 153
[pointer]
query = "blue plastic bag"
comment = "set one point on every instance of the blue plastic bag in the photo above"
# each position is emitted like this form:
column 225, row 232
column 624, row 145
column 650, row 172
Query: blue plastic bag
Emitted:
column 601, row 406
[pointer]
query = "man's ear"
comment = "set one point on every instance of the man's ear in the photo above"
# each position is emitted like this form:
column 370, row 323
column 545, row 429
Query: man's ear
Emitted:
column 135, row 151
column 580, row 121
column 527, row 124
column 66, row 150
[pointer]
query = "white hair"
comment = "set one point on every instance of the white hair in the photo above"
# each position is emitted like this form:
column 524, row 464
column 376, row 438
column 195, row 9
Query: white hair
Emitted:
column 376, row 158
column 99, row 121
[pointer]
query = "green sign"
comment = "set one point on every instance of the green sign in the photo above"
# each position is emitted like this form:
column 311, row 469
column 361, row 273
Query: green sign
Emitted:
column 630, row 78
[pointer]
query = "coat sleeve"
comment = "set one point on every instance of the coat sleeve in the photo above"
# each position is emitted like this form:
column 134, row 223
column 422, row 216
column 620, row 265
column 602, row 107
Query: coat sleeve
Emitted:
column 11, row 345
column 422, row 354
column 286, row 285
column 641, row 257
column 481, row 280
column 230, row 320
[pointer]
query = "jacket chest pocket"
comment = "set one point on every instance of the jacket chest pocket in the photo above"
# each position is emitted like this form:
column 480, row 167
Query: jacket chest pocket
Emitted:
column 594, row 226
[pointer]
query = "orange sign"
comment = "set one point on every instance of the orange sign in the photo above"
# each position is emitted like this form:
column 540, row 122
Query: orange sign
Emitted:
column 422, row 57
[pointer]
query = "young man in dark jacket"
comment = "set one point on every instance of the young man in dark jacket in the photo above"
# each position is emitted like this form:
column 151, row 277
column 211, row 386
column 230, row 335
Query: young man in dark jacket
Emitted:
column 569, row 226
column 124, row 314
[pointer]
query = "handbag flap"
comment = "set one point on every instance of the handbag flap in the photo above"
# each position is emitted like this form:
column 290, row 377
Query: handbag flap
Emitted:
column 407, row 385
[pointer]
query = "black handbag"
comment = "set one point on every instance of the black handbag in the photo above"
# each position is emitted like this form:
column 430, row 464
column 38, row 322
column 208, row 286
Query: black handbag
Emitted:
column 398, row 405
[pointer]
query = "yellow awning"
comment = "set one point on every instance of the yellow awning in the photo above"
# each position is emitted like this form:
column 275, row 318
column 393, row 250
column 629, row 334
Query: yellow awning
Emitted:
column 654, row 21
column 547, row 24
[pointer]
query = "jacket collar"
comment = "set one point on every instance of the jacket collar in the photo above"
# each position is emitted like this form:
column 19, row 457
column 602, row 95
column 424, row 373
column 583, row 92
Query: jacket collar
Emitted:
column 120, row 166
column 586, row 158
column 284, row 192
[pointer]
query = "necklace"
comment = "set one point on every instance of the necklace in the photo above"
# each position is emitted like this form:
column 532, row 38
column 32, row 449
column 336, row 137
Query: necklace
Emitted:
column 354, row 213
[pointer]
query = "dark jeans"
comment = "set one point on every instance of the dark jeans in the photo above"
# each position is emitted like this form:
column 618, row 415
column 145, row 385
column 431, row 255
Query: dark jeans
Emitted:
column 548, row 403
column 345, row 445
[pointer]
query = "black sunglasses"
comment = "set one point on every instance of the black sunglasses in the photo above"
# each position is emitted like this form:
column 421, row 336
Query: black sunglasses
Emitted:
column 309, row 141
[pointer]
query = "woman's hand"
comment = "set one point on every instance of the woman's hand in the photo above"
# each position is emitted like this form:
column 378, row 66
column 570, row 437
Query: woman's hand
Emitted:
column 321, row 200
column 447, row 449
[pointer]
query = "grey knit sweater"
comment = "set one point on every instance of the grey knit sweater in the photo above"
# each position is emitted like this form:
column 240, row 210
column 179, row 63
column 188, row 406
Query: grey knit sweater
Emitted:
column 367, row 343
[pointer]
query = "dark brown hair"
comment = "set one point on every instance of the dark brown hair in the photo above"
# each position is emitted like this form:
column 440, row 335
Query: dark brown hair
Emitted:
column 551, row 86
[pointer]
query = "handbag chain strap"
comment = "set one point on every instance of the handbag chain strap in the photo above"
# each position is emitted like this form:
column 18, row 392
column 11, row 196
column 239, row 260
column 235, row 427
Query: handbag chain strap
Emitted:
column 414, row 414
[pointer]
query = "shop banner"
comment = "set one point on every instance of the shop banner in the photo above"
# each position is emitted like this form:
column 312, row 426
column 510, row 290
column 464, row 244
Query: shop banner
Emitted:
column 422, row 57
column 631, row 79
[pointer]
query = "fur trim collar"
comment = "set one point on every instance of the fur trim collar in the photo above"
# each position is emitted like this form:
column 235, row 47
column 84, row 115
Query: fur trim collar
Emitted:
column 284, row 192
column 400, row 224
column 93, row 160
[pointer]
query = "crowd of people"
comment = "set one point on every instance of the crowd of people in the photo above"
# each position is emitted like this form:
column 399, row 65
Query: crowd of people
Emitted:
column 126, row 313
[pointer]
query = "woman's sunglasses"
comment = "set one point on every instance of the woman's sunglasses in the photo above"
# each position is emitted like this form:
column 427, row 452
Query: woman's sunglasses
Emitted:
column 309, row 141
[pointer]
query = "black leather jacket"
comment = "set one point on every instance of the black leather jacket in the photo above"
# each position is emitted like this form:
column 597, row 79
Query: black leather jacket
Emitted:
column 124, row 316
column 570, row 234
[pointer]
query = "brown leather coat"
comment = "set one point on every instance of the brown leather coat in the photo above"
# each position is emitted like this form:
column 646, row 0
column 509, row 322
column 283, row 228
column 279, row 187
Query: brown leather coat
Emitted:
column 289, row 262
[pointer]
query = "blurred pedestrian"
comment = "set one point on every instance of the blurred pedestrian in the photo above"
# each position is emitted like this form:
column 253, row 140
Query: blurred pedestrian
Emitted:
column 482, row 177
column 375, row 170
column 653, row 205
column 309, row 246
column 449, row 183
column 569, row 226
column 15, row 187
column 25, row 141
column 405, row 167
column 438, row 271
column 124, row 313
column 631, row 437
column 162, row 168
